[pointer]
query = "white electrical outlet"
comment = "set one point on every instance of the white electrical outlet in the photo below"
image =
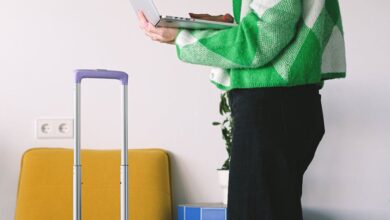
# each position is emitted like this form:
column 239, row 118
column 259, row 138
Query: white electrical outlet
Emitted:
column 54, row 128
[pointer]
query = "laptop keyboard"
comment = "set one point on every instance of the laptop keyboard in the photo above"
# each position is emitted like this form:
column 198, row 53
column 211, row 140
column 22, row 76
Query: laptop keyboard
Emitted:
column 180, row 18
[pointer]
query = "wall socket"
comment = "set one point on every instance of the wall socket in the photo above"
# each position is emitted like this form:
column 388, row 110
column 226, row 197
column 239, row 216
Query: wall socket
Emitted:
column 54, row 128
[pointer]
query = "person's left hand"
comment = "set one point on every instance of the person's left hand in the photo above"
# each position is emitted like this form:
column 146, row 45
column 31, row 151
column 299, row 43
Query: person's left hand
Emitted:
column 160, row 34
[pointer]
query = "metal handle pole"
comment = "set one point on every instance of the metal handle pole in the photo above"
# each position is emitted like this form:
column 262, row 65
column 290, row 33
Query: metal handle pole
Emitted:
column 76, row 159
column 124, row 161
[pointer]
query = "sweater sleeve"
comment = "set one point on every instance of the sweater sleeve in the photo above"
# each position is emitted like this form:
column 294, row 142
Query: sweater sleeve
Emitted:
column 261, row 35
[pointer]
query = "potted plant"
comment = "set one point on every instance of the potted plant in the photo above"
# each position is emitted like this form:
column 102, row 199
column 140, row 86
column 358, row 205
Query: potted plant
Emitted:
column 226, row 129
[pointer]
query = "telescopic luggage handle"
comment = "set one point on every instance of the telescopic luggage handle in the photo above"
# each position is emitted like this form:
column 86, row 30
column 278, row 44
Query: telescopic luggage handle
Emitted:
column 100, row 74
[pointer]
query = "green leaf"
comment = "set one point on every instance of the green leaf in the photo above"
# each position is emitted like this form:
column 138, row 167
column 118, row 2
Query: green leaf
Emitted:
column 226, row 108
column 225, row 121
column 226, row 126
column 222, row 105
column 226, row 165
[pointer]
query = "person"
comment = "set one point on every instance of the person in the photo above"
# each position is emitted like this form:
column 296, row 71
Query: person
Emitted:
column 272, row 66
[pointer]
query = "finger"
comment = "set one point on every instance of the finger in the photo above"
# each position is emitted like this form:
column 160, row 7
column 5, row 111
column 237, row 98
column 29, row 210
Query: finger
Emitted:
column 199, row 16
column 151, row 28
column 229, row 18
column 141, row 15
column 142, row 19
column 140, row 25
column 154, row 36
column 224, row 18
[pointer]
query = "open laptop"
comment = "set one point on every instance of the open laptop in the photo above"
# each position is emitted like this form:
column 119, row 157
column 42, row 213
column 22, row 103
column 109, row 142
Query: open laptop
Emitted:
column 154, row 17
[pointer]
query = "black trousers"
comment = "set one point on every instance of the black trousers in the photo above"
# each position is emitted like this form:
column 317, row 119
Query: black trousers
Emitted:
column 276, row 132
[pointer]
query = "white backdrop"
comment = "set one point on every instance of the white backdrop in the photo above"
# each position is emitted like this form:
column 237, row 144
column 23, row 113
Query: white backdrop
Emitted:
column 172, row 104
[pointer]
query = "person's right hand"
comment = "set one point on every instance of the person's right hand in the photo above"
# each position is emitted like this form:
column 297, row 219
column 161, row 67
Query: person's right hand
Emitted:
column 160, row 34
column 221, row 18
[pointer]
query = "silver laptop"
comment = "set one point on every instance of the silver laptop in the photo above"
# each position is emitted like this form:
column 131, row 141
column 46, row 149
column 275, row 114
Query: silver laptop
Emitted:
column 154, row 17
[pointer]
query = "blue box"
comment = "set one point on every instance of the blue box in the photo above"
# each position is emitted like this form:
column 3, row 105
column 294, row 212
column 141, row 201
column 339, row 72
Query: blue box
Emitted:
column 202, row 211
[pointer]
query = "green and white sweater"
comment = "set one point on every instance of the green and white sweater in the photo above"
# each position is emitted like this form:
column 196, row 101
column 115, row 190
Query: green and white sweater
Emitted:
column 276, row 43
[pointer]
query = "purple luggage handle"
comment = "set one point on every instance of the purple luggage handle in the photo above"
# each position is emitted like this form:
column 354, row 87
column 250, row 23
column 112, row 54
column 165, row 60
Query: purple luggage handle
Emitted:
column 101, row 74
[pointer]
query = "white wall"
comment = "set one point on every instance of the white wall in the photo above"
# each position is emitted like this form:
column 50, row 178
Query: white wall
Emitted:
column 172, row 104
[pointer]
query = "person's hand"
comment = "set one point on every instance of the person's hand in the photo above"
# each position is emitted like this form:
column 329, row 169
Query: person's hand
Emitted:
column 221, row 18
column 160, row 34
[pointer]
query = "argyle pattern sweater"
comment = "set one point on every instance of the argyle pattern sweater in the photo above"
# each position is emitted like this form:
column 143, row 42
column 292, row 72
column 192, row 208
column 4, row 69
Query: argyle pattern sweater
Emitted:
column 276, row 43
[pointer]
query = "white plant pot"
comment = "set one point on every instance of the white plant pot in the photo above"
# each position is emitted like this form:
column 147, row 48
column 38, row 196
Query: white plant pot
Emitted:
column 223, row 176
